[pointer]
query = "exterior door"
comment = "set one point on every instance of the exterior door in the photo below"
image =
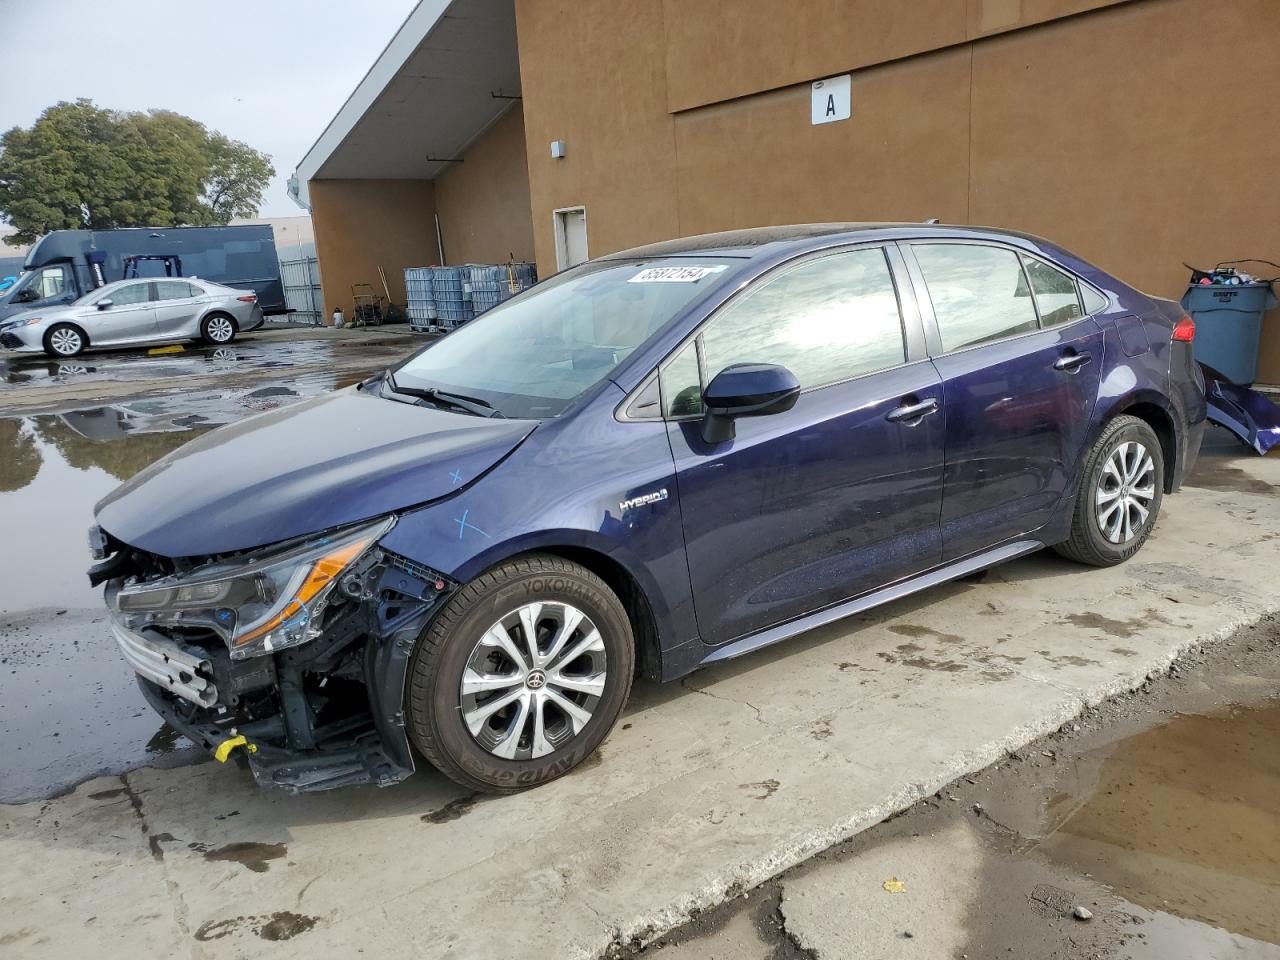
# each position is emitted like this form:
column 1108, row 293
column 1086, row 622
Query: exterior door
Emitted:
column 838, row 495
column 571, row 237
column 1020, row 366
column 177, row 303
column 131, row 316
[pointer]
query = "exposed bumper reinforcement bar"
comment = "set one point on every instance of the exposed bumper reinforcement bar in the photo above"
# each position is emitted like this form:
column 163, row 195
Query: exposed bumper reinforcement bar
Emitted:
column 168, row 665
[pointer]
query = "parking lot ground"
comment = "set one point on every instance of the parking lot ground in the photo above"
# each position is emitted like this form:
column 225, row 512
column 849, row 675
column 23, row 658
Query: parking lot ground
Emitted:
column 1154, row 812
column 709, row 787
column 317, row 358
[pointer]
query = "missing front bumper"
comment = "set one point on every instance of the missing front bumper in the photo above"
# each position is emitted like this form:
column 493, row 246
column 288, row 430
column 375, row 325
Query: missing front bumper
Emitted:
column 364, row 761
column 326, row 714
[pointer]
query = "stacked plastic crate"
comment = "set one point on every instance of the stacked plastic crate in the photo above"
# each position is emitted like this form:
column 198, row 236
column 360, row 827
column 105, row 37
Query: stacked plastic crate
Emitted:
column 422, row 304
column 448, row 287
column 490, row 285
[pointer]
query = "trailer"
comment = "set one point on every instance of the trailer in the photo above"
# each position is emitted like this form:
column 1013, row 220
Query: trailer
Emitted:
column 67, row 264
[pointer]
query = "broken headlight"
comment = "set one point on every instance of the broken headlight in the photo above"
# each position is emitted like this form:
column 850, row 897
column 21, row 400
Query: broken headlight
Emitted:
column 256, row 605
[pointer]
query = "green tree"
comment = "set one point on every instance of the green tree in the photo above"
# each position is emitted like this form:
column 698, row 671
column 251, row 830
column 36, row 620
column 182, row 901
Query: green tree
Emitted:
column 80, row 166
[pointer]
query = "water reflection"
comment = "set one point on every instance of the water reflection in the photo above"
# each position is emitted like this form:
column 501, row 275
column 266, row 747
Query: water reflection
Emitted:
column 53, row 469
column 19, row 456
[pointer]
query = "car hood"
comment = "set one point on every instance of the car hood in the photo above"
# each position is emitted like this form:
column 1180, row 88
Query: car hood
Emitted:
column 335, row 459
column 48, row 314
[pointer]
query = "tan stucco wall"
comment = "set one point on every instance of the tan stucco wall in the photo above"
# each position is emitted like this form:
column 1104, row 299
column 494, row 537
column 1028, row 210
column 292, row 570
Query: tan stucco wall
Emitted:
column 1136, row 142
column 1122, row 132
column 717, row 51
column 594, row 75
column 361, row 224
column 483, row 202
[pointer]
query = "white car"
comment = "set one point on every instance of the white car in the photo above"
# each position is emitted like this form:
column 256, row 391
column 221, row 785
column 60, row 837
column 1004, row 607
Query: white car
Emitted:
column 132, row 312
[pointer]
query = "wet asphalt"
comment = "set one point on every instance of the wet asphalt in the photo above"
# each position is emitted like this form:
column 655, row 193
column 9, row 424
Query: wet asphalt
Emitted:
column 71, row 708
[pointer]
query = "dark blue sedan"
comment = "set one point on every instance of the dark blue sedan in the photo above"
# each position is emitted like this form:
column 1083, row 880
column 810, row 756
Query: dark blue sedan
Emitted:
column 653, row 461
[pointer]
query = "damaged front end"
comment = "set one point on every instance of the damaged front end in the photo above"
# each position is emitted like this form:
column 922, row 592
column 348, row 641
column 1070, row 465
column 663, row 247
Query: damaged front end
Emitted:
column 292, row 657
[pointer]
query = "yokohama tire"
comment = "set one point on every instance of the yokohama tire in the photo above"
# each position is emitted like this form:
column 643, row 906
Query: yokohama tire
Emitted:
column 1123, row 474
column 459, row 644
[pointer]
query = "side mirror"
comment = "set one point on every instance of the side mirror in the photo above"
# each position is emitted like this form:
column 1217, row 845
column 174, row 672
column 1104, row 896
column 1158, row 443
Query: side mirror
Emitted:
column 26, row 296
column 104, row 304
column 745, row 390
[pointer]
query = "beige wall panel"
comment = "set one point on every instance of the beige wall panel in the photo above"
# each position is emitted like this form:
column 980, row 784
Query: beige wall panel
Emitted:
column 483, row 202
column 361, row 224
column 903, row 155
column 994, row 16
column 719, row 50
column 1136, row 141
column 593, row 75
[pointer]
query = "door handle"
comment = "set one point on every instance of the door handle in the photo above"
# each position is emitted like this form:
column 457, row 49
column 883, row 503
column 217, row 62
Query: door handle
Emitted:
column 912, row 413
column 1071, row 362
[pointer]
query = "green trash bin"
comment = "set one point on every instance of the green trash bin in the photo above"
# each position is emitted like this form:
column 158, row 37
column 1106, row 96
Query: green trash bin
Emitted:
column 1229, row 326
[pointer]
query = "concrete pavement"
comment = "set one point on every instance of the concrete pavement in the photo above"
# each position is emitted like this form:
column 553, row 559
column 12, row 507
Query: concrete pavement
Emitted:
column 708, row 788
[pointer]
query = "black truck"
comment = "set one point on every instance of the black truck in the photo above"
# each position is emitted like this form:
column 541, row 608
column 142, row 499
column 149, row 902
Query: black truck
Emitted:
column 66, row 264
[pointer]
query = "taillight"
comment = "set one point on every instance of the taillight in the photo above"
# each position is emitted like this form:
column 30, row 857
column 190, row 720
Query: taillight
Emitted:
column 1185, row 330
column 253, row 298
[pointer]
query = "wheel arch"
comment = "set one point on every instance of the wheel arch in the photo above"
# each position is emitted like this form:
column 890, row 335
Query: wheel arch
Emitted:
column 1155, row 413
column 644, row 625
column 218, row 312
column 631, row 587
column 84, row 334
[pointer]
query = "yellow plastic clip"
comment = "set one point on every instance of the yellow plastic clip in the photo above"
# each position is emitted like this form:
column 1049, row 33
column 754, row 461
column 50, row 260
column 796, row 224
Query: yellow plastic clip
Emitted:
column 226, row 746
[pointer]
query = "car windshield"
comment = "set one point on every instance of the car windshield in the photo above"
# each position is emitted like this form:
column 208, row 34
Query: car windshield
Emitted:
column 534, row 355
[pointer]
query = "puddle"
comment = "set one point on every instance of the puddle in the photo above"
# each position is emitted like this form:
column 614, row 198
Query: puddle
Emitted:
column 54, row 468
column 1182, row 819
column 52, row 472
column 19, row 371
column 71, row 707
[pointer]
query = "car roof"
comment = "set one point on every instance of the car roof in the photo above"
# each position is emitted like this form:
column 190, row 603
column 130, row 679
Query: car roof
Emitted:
column 120, row 283
column 765, row 241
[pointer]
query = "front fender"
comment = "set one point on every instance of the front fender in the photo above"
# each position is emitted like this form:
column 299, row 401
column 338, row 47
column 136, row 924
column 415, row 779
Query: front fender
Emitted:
column 590, row 482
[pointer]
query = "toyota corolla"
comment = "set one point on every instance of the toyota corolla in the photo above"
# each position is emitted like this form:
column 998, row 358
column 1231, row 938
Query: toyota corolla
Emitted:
column 651, row 462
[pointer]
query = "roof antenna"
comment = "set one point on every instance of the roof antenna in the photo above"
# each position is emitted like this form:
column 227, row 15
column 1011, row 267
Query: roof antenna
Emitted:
column 933, row 220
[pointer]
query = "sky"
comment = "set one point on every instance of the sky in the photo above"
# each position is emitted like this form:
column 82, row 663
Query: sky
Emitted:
column 269, row 72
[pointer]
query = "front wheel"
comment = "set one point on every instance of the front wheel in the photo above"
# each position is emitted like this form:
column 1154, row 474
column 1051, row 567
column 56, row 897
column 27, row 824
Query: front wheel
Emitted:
column 1119, row 497
column 218, row 329
column 64, row 340
column 521, row 675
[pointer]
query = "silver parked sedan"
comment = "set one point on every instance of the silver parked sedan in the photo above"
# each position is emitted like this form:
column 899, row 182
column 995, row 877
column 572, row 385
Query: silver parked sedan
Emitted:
column 132, row 312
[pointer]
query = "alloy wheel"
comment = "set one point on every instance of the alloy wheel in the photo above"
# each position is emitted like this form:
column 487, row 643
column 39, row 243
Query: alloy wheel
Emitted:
column 1126, row 489
column 220, row 329
column 533, row 680
column 65, row 342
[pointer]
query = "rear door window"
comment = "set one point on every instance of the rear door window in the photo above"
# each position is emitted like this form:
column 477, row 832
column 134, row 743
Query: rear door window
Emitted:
column 979, row 293
column 175, row 290
column 1057, row 296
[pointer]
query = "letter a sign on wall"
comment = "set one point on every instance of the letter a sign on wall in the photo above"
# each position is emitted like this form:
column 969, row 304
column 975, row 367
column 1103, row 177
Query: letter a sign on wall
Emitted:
column 830, row 100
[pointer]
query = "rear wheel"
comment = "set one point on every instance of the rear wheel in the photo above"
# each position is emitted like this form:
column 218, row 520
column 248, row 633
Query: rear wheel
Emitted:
column 1119, row 497
column 64, row 340
column 521, row 676
column 218, row 329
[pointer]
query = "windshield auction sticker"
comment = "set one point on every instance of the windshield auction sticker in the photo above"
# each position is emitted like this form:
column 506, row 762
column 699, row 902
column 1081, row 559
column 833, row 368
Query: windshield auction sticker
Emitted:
column 674, row 274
